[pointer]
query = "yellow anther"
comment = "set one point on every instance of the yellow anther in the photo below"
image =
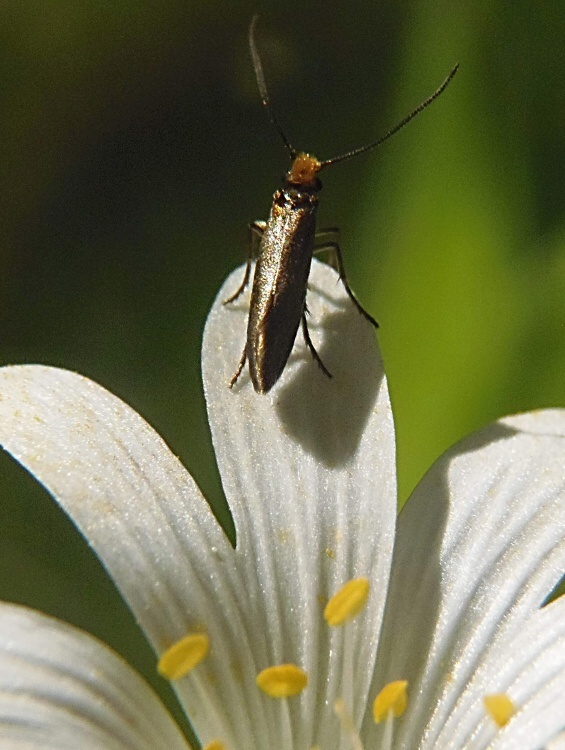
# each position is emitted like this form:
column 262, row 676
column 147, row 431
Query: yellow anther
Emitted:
column 282, row 681
column 214, row 745
column 500, row 708
column 184, row 655
column 348, row 602
column 390, row 701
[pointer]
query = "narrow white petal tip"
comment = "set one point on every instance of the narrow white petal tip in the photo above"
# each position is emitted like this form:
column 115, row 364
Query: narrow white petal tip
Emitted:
column 344, row 340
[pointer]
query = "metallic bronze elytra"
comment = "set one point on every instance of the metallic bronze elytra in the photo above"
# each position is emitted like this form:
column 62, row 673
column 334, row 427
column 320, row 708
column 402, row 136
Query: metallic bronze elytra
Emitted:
column 288, row 239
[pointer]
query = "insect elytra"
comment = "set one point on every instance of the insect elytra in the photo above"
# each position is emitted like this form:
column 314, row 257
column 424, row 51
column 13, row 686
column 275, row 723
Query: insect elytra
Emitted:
column 287, row 242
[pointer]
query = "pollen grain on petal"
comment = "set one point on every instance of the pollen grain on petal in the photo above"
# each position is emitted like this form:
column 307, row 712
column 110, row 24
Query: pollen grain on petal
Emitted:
column 282, row 680
column 214, row 745
column 391, row 701
column 499, row 707
column 180, row 658
column 347, row 603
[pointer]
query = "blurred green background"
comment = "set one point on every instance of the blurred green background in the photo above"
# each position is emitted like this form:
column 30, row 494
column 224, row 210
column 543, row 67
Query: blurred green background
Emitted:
column 134, row 150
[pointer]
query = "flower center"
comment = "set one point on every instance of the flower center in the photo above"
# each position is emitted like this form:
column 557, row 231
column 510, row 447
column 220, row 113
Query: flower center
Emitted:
column 288, row 680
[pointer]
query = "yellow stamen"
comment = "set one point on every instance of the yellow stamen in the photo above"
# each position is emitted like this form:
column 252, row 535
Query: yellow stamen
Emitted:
column 500, row 708
column 390, row 701
column 347, row 724
column 348, row 602
column 184, row 655
column 214, row 745
column 282, row 681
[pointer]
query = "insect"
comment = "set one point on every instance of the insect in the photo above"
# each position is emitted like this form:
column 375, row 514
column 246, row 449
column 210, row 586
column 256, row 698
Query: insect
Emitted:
column 287, row 243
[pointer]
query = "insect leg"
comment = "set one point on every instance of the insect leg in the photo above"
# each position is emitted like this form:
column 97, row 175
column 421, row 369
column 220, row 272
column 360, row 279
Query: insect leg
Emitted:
column 240, row 367
column 325, row 240
column 256, row 230
column 333, row 245
column 310, row 346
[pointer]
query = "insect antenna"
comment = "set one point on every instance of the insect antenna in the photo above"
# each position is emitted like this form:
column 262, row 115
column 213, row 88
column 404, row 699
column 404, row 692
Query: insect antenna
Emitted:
column 260, row 76
column 396, row 128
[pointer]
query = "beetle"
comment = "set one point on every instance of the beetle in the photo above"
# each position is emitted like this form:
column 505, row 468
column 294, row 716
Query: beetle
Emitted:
column 287, row 242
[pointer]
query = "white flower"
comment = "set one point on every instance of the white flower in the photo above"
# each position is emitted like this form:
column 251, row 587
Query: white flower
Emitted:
column 309, row 474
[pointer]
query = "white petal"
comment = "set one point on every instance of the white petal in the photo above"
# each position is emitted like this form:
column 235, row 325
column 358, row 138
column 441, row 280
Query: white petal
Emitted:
column 532, row 670
column 147, row 521
column 314, row 506
column 62, row 689
column 528, row 665
column 309, row 474
column 557, row 743
column 480, row 546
